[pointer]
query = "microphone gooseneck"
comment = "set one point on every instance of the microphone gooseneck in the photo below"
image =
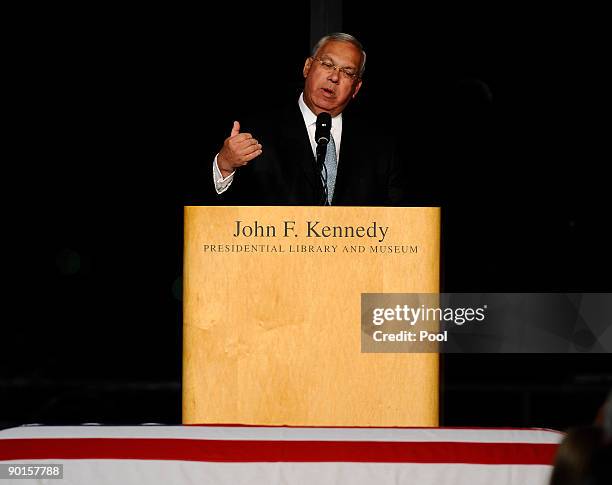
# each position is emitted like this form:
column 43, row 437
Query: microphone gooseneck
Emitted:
column 322, row 137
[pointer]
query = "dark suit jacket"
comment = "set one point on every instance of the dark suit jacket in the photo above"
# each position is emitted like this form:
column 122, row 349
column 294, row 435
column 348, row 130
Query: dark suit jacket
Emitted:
column 369, row 172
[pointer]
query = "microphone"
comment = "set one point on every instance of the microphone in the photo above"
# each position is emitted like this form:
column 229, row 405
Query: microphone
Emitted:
column 323, row 131
column 322, row 137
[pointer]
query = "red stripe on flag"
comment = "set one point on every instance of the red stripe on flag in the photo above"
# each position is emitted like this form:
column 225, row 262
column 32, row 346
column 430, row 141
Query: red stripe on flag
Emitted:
column 277, row 451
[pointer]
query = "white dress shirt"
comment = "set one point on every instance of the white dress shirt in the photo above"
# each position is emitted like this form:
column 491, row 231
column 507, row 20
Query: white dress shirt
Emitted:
column 310, row 120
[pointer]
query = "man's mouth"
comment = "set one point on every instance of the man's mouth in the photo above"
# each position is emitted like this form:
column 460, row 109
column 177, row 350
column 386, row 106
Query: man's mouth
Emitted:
column 328, row 91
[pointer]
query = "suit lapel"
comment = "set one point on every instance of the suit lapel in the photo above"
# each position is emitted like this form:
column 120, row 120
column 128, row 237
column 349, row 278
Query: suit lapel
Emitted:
column 295, row 133
column 349, row 157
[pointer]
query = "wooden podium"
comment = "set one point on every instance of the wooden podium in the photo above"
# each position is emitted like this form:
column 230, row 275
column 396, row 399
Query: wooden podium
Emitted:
column 272, row 315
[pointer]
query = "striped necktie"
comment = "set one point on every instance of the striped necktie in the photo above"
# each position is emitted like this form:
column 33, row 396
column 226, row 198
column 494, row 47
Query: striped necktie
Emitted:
column 331, row 169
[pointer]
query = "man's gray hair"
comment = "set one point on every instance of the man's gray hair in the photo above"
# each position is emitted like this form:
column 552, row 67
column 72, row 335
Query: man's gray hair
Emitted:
column 342, row 37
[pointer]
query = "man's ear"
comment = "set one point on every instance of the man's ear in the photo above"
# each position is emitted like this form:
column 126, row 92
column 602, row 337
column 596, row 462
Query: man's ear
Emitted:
column 307, row 66
column 357, row 88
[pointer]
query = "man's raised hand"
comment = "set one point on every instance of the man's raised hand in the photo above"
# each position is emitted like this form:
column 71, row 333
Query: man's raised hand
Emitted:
column 238, row 150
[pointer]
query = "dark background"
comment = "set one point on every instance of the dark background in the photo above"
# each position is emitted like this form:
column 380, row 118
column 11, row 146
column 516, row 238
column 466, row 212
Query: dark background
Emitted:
column 499, row 112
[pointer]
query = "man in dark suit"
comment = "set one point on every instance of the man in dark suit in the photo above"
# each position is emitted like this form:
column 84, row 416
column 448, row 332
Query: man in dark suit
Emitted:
column 279, row 166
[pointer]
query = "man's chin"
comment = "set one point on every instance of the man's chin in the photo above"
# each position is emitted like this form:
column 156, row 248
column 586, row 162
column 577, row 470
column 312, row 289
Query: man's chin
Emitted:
column 326, row 105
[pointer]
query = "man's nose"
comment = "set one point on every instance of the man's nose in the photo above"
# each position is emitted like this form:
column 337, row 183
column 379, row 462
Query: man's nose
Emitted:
column 334, row 75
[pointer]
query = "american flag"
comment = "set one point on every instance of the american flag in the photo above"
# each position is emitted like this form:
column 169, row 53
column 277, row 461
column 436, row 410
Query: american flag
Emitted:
column 156, row 455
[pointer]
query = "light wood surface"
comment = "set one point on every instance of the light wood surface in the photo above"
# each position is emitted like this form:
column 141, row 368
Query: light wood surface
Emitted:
column 274, row 337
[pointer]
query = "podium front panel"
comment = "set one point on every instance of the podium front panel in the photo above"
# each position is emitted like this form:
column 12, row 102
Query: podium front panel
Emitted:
column 272, row 315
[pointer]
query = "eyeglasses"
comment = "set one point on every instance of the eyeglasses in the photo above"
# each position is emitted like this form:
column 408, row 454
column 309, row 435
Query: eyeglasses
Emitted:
column 329, row 66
